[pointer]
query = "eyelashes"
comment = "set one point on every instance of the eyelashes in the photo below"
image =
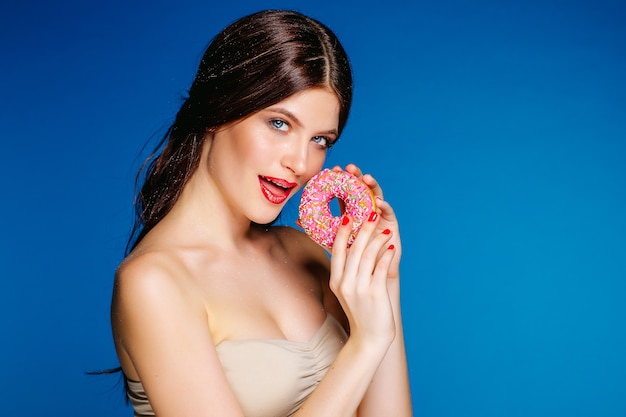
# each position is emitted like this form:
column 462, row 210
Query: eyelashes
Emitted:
column 327, row 142
column 279, row 124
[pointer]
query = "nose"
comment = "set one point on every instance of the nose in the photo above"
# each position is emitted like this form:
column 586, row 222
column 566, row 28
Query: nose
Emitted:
column 296, row 156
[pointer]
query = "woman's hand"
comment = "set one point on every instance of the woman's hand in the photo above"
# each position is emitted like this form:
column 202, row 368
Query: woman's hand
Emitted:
column 358, row 278
column 387, row 217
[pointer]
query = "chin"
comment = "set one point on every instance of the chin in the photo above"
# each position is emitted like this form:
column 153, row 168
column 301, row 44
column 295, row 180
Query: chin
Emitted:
column 266, row 219
column 263, row 223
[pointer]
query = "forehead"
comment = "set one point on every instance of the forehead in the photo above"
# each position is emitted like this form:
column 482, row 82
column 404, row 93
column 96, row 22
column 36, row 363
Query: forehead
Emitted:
column 312, row 107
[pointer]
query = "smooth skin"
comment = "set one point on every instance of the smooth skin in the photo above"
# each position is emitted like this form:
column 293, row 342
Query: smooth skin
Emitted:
column 203, row 275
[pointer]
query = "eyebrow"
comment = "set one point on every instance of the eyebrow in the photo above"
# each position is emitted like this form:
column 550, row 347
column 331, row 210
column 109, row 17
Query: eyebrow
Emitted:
column 297, row 121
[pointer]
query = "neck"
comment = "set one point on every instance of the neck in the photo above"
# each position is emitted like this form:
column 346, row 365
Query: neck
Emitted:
column 202, row 216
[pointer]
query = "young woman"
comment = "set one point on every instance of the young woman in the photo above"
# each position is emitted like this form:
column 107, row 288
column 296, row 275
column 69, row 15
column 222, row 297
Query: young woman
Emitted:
column 215, row 311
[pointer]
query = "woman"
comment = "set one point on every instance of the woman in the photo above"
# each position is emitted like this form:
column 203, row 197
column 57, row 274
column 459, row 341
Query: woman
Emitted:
column 217, row 313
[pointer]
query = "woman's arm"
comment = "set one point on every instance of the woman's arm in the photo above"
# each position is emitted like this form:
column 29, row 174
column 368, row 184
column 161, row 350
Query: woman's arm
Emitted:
column 390, row 394
column 358, row 280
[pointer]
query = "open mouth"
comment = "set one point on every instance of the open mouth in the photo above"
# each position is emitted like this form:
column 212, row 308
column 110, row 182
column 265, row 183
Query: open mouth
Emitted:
column 275, row 190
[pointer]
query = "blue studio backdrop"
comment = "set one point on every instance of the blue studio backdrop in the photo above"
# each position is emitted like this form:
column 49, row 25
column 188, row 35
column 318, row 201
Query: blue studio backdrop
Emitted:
column 497, row 128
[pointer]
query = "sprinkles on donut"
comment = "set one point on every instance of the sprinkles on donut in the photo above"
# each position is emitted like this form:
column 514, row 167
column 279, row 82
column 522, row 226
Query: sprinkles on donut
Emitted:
column 314, row 214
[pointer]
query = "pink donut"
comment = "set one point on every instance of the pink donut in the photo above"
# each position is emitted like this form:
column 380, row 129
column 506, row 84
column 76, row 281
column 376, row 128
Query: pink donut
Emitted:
column 314, row 214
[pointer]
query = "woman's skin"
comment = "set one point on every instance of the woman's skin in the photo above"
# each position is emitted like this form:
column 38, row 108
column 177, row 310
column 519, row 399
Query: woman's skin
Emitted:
column 203, row 275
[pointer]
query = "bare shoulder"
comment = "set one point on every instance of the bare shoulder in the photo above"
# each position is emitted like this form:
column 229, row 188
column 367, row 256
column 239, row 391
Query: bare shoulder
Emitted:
column 148, row 285
column 150, row 274
column 160, row 328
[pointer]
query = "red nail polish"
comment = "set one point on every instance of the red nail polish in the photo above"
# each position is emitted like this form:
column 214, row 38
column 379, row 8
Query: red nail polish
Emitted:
column 386, row 231
column 345, row 220
column 391, row 247
column 372, row 217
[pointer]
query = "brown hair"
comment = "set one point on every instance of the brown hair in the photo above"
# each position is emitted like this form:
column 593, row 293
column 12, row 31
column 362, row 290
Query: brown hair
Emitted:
column 253, row 63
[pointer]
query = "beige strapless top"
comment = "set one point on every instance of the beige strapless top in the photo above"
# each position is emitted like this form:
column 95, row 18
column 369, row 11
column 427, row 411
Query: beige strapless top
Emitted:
column 270, row 377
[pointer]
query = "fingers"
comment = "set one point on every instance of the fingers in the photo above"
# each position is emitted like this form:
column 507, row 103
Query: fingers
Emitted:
column 358, row 262
column 381, row 270
column 386, row 211
column 389, row 220
column 375, row 260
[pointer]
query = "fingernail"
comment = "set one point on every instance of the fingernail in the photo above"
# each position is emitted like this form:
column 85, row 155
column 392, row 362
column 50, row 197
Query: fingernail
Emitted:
column 386, row 231
column 372, row 217
column 391, row 247
column 345, row 220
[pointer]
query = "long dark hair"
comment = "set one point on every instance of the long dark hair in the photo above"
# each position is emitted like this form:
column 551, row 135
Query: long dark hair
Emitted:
column 253, row 63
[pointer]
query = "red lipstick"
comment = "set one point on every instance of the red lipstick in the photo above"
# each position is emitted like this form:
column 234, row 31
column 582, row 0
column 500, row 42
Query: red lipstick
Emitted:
column 276, row 190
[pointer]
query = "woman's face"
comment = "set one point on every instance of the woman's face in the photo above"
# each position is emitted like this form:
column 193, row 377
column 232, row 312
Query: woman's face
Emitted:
column 263, row 159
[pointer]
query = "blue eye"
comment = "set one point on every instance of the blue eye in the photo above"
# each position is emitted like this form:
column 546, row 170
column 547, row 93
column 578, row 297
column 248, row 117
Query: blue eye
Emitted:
column 323, row 141
column 279, row 124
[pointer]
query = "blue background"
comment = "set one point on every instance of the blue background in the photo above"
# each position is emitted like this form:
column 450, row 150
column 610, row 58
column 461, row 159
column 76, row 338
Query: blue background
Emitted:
column 498, row 129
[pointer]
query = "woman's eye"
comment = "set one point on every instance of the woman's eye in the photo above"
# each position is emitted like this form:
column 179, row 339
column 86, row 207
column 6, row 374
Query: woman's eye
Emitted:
column 279, row 124
column 322, row 141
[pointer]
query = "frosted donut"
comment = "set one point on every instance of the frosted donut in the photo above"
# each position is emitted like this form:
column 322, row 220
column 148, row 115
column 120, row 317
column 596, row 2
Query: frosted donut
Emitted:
column 314, row 214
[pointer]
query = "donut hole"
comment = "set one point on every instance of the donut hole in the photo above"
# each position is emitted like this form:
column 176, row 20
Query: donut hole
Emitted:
column 337, row 206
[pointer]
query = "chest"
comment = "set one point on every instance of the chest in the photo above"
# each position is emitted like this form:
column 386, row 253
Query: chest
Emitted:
column 263, row 296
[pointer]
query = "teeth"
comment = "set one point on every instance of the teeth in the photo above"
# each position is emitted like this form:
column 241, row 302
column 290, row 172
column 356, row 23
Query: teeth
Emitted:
column 276, row 184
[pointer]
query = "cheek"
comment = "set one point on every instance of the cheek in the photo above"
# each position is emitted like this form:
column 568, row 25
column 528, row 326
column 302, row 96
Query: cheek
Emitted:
column 249, row 145
column 316, row 162
column 256, row 152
